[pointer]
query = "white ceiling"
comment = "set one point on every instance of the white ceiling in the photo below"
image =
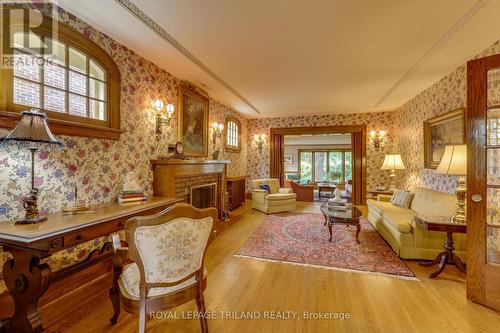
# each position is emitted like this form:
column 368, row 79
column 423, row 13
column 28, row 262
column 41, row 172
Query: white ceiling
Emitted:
column 321, row 139
column 297, row 57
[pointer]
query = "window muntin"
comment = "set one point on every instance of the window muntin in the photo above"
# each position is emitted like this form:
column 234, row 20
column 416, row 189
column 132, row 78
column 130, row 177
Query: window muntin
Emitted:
column 72, row 82
column 233, row 133
column 325, row 165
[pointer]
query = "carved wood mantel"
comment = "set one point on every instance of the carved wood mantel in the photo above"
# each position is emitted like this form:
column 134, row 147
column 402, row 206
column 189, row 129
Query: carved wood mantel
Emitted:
column 173, row 178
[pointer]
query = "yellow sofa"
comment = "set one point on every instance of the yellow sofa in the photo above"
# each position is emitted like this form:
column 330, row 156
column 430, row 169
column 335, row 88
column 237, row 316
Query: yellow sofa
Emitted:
column 408, row 239
column 275, row 201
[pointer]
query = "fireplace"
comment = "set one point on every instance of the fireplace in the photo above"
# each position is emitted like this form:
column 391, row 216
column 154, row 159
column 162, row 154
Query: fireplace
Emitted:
column 174, row 178
column 204, row 196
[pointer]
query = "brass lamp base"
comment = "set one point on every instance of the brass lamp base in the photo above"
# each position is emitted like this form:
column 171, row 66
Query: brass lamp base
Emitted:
column 392, row 176
column 461, row 193
column 31, row 207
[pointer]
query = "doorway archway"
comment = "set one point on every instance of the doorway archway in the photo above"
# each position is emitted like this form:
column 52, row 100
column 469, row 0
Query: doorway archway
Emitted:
column 358, row 142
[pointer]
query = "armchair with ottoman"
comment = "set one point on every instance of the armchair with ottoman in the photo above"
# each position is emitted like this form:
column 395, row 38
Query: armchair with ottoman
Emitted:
column 408, row 239
column 275, row 199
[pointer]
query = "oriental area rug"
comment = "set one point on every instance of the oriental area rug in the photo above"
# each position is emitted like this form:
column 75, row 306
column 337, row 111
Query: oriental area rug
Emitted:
column 302, row 239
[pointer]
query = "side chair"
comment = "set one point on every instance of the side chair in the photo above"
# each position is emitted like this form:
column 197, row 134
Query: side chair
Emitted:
column 164, row 262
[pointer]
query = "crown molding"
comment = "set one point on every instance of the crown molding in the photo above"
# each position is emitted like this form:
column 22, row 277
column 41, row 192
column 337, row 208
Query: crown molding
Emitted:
column 155, row 27
column 445, row 38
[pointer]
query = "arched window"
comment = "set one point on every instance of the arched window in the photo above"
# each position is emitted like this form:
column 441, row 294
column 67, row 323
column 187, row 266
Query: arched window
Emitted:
column 233, row 135
column 71, row 79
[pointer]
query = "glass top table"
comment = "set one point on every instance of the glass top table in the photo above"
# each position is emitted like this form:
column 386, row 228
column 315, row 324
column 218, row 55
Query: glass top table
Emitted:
column 348, row 217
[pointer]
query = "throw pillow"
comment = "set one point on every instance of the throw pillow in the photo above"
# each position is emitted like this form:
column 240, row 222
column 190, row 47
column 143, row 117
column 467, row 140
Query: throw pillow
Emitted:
column 265, row 187
column 402, row 198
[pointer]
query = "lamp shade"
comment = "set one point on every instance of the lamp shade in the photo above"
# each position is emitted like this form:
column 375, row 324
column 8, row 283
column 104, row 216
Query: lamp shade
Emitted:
column 32, row 130
column 393, row 162
column 454, row 161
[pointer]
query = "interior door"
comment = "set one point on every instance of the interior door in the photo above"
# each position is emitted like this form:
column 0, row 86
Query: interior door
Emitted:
column 483, row 181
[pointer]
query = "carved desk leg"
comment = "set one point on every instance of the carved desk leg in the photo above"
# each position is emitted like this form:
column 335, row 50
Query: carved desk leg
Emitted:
column 26, row 280
column 114, row 292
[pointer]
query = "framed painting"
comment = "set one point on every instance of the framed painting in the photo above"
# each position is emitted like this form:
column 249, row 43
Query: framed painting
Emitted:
column 193, row 122
column 288, row 159
column 447, row 129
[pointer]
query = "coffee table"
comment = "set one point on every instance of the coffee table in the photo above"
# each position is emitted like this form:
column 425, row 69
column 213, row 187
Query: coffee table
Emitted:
column 349, row 217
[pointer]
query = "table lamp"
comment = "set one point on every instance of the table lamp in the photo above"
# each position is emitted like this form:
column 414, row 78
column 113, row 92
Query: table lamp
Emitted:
column 32, row 132
column 454, row 163
column 393, row 162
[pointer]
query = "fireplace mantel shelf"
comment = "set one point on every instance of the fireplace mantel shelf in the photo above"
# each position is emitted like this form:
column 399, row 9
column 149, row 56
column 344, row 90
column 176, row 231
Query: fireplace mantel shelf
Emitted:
column 177, row 161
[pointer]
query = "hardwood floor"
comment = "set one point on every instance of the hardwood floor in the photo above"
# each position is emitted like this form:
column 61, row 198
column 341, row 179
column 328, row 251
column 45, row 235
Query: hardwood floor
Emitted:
column 375, row 303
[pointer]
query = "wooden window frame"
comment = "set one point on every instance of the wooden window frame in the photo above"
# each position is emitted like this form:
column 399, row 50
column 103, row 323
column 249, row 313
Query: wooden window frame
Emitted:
column 230, row 148
column 64, row 123
column 327, row 151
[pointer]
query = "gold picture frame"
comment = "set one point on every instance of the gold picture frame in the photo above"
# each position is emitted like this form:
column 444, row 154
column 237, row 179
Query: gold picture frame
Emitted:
column 193, row 122
column 446, row 129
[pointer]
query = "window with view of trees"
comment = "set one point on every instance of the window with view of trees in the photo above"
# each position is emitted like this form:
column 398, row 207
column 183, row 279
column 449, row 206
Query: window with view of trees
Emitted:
column 325, row 166
column 70, row 78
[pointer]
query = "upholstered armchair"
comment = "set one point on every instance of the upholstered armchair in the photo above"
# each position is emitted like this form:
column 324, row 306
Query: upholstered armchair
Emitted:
column 167, row 251
column 273, row 201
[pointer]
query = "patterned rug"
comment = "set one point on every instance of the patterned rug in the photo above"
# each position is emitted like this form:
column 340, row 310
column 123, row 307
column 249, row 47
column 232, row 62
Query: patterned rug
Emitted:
column 301, row 238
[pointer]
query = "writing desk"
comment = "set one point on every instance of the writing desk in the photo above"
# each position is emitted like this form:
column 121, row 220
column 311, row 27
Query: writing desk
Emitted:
column 27, row 279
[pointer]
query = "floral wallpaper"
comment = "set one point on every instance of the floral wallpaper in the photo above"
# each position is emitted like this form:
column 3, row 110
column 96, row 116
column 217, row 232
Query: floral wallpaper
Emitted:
column 98, row 166
column 446, row 95
column 258, row 161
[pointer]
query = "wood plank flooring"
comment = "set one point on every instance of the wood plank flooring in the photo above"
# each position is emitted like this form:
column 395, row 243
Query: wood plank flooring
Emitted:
column 375, row 303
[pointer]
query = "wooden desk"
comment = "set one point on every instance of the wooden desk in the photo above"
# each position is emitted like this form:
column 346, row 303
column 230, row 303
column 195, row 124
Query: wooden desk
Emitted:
column 27, row 279
column 447, row 256
column 322, row 187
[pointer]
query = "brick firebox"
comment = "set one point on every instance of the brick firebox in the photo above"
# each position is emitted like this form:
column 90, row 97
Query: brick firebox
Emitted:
column 174, row 178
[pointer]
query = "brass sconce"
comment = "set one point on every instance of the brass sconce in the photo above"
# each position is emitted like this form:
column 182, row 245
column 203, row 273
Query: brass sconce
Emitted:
column 259, row 140
column 161, row 119
column 216, row 131
column 377, row 138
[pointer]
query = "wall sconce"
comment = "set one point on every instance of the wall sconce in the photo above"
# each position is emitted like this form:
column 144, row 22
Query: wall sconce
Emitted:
column 162, row 119
column 259, row 140
column 377, row 138
column 216, row 131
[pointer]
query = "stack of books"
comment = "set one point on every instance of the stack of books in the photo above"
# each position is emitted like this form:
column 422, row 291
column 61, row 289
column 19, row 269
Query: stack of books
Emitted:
column 131, row 196
column 335, row 204
column 131, row 192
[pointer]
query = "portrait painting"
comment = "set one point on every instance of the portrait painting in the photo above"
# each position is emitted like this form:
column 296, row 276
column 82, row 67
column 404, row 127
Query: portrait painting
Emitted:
column 193, row 122
column 447, row 129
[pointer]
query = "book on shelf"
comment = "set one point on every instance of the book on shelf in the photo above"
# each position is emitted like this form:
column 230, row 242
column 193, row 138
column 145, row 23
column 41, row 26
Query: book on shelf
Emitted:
column 126, row 200
column 128, row 196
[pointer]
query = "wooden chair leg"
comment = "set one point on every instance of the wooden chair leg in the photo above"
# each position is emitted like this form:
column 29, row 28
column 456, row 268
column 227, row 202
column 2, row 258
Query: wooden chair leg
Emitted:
column 114, row 292
column 200, row 301
column 142, row 313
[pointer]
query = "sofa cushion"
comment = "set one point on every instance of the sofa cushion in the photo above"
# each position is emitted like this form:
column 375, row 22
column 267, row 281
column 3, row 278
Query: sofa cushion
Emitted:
column 399, row 220
column 280, row 196
column 430, row 202
column 402, row 198
column 378, row 206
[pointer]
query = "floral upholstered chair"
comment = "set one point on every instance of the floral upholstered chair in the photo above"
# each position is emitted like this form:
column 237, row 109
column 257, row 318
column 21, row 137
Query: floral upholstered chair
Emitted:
column 167, row 252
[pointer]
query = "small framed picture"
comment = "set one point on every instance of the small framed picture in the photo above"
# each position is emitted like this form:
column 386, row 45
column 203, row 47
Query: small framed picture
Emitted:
column 288, row 159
